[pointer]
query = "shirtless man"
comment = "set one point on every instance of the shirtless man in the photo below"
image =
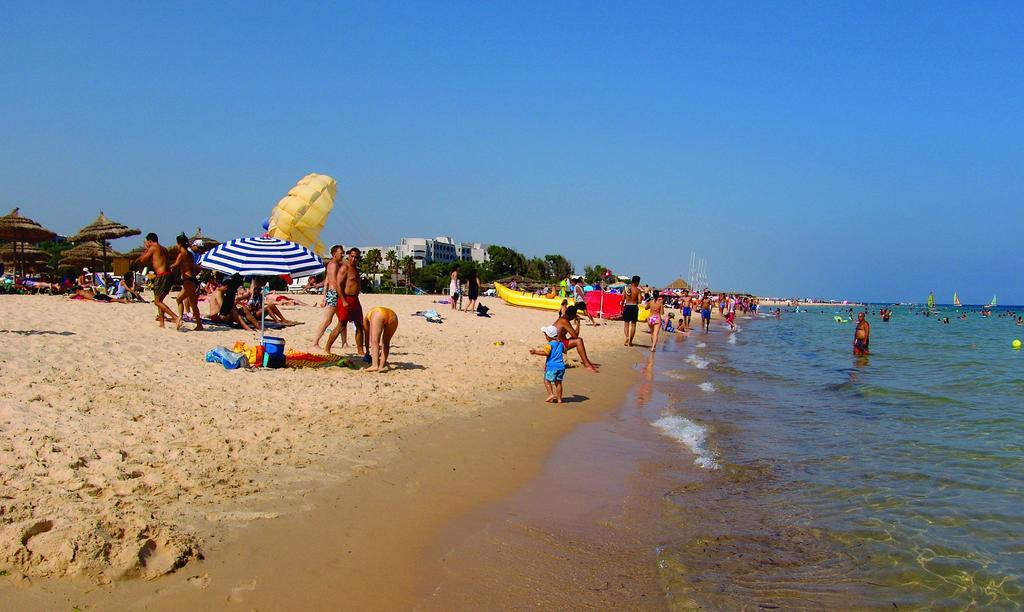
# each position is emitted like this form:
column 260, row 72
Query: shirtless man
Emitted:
column 861, row 336
column 222, row 303
column 349, row 308
column 686, row 306
column 705, row 312
column 188, row 297
column 331, row 294
column 156, row 256
column 569, row 336
column 381, row 324
column 630, row 309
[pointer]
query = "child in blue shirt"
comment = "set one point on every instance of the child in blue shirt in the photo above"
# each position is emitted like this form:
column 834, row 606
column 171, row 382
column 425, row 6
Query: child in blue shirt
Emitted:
column 554, row 366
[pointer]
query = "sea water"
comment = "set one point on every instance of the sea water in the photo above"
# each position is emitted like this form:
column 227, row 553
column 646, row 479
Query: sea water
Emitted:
column 892, row 480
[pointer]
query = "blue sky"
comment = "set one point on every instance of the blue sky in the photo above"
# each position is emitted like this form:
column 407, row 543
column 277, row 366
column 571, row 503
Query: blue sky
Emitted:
column 867, row 150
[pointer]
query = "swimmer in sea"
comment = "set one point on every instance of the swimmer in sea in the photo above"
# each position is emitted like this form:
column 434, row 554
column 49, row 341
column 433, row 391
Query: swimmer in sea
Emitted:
column 380, row 326
column 861, row 336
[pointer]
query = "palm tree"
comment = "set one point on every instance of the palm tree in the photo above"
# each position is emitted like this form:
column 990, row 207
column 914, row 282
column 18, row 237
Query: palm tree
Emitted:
column 392, row 258
column 408, row 269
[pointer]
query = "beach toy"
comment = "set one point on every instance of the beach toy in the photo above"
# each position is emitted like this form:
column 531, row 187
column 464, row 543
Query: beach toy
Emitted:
column 299, row 216
column 227, row 358
column 500, row 343
column 1016, row 344
column 273, row 356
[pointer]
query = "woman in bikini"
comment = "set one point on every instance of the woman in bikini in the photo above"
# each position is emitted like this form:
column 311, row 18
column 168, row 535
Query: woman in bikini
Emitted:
column 657, row 308
column 188, row 297
column 380, row 324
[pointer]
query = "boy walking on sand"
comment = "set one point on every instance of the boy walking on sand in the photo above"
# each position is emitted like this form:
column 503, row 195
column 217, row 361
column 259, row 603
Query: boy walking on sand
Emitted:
column 554, row 366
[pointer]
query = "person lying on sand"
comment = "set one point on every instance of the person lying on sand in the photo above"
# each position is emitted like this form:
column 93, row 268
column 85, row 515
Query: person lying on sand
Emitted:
column 380, row 326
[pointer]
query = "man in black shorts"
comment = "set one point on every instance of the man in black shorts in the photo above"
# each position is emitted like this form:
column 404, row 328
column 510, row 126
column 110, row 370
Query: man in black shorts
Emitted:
column 631, row 309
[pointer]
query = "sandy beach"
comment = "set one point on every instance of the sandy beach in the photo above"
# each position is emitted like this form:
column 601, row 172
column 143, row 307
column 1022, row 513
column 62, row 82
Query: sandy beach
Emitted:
column 127, row 456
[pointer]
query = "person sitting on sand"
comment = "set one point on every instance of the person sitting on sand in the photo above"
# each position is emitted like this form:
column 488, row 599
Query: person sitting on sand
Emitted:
column 256, row 307
column 554, row 366
column 85, row 281
column 222, row 304
column 380, row 326
column 126, row 291
column 569, row 336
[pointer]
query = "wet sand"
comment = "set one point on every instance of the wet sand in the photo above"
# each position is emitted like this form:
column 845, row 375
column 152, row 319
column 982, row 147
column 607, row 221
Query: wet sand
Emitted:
column 585, row 533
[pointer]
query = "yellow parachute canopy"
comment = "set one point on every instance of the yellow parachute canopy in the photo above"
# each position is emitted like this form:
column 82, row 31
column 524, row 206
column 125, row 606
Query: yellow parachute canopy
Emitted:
column 301, row 214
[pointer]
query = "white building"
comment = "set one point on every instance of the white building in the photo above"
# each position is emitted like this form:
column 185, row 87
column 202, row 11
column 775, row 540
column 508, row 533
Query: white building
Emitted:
column 442, row 249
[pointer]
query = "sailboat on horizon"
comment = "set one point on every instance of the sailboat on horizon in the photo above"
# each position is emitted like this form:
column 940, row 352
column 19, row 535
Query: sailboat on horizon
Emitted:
column 956, row 300
column 931, row 301
column 992, row 304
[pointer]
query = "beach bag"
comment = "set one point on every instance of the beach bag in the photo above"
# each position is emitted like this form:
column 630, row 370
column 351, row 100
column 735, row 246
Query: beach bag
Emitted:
column 481, row 310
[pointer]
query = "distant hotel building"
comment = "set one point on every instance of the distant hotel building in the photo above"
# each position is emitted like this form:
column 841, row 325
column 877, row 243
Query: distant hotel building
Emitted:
column 442, row 249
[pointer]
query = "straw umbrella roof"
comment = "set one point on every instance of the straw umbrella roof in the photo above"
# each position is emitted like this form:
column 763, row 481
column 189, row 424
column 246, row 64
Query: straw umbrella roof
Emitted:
column 207, row 242
column 91, row 250
column 103, row 229
column 24, row 253
column 22, row 229
column 678, row 284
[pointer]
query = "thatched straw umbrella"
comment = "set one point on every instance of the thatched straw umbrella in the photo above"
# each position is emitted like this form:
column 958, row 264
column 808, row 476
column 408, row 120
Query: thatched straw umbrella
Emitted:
column 28, row 256
column 207, row 243
column 103, row 229
column 86, row 254
column 18, row 229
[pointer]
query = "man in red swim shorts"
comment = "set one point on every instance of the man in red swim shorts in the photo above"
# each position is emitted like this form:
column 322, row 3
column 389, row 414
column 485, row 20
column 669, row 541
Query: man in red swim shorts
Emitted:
column 349, row 308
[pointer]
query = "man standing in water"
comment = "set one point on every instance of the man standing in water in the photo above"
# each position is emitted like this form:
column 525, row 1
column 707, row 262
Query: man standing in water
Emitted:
column 861, row 336
column 349, row 308
column 331, row 295
column 630, row 309
column 705, row 311
column 156, row 256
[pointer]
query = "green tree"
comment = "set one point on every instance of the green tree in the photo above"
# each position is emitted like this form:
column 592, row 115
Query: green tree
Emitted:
column 432, row 276
column 55, row 251
column 392, row 260
column 593, row 274
column 408, row 269
column 557, row 267
column 503, row 262
column 370, row 262
column 537, row 268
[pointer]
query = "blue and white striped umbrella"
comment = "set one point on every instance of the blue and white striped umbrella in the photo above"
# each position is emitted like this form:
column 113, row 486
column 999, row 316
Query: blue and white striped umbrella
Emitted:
column 262, row 257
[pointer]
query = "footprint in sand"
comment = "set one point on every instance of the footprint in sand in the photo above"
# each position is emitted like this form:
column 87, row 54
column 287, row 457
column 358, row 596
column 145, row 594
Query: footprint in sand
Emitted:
column 238, row 592
column 200, row 582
